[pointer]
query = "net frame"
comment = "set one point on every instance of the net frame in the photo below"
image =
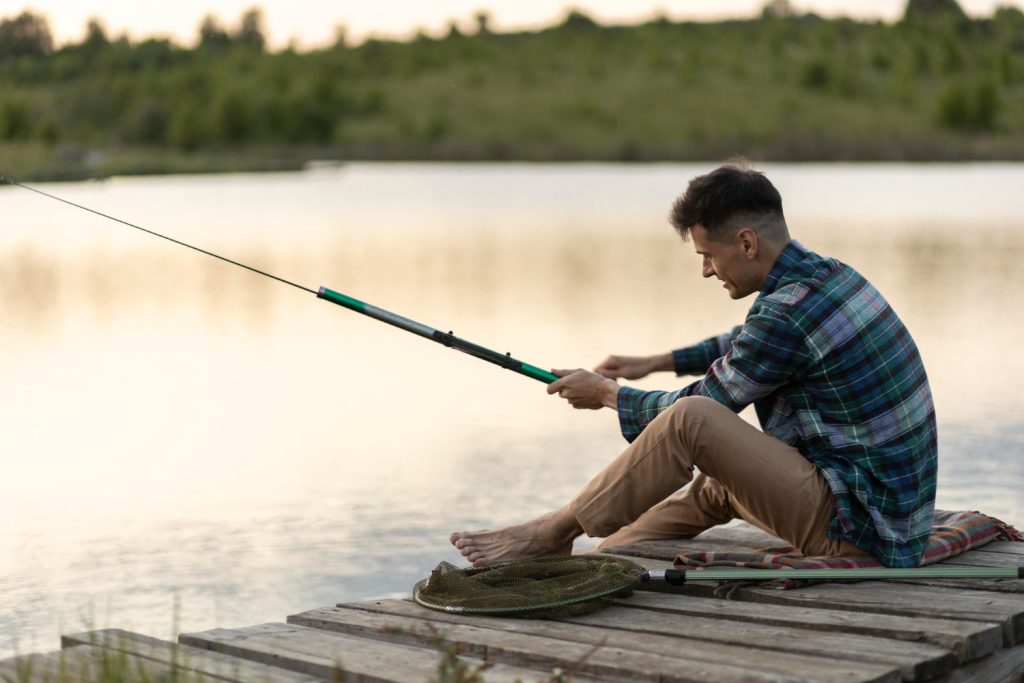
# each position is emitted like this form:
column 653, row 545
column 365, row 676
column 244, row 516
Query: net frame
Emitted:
column 592, row 580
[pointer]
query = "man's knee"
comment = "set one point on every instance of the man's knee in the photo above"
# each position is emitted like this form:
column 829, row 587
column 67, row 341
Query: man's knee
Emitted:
column 694, row 410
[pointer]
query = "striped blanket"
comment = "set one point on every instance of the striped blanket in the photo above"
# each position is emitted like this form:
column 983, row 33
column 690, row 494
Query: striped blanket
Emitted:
column 952, row 534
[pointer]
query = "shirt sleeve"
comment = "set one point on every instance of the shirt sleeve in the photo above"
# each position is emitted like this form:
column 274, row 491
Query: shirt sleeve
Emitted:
column 765, row 353
column 696, row 359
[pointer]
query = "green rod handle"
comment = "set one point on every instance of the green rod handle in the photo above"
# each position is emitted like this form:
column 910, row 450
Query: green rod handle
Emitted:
column 446, row 338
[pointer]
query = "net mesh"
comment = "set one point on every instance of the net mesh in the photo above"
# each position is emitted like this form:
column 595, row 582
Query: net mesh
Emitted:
column 545, row 587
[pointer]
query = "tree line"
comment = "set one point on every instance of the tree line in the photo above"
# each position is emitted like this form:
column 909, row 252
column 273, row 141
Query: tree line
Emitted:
column 936, row 84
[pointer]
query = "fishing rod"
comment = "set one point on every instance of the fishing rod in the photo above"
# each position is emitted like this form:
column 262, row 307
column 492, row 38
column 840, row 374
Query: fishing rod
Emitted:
column 678, row 577
column 445, row 338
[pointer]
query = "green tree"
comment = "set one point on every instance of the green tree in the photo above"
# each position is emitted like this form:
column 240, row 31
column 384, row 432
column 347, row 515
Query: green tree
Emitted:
column 483, row 23
column 212, row 33
column 778, row 9
column 95, row 35
column 26, row 34
column 577, row 20
column 250, row 31
column 926, row 9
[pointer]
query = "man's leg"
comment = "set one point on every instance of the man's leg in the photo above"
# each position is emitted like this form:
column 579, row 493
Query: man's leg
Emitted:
column 700, row 506
column 776, row 488
column 745, row 473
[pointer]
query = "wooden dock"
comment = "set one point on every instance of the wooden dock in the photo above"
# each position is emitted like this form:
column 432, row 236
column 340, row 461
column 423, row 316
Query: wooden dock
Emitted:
column 937, row 630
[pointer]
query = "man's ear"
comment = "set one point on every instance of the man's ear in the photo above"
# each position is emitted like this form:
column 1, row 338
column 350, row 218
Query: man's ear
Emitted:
column 747, row 241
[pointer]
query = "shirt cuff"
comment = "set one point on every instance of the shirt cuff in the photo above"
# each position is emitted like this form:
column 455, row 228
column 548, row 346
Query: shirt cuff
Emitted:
column 629, row 402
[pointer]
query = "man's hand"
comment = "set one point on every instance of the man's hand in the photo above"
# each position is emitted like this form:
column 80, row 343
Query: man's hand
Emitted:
column 585, row 390
column 633, row 367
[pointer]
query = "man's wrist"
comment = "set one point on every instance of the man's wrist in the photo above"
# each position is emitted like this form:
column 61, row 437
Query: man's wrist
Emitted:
column 611, row 395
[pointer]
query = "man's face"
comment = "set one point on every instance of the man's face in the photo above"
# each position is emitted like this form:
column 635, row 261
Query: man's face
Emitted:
column 730, row 261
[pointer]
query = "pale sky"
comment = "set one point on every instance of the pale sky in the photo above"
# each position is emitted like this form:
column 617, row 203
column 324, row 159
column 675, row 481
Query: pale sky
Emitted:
column 312, row 22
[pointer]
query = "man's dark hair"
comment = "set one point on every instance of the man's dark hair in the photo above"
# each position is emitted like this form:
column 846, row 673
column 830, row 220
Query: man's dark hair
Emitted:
column 730, row 197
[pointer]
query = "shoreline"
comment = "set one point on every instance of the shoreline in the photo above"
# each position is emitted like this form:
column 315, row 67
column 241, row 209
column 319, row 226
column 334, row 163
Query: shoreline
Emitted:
column 32, row 162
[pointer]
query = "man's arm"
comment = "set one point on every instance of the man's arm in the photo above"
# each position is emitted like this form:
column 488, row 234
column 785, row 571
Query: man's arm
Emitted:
column 697, row 358
column 765, row 353
column 689, row 360
column 634, row 367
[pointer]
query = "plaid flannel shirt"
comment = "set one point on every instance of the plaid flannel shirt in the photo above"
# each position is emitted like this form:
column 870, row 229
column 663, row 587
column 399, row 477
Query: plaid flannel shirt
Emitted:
column 832, row 371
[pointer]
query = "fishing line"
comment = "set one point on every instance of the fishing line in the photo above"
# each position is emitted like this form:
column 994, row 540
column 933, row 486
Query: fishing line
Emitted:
column 9, row 181
column 445, row 338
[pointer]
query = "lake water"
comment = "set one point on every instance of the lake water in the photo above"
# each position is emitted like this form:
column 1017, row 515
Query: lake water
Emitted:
column 187, row 445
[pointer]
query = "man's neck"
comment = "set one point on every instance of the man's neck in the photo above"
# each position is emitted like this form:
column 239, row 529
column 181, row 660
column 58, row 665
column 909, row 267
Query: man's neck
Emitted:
column 767, row 258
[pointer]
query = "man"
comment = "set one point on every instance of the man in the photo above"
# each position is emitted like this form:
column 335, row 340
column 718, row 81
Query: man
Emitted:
column 846, row 461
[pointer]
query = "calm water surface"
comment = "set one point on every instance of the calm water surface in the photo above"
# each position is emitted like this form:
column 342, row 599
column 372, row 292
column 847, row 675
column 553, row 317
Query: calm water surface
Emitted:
column 187, row 445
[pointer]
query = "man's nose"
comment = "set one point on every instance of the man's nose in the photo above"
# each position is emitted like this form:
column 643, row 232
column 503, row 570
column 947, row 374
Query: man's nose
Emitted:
column 708, row 271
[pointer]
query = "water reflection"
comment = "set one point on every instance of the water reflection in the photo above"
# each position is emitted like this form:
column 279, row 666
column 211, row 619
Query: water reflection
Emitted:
column 174, row 426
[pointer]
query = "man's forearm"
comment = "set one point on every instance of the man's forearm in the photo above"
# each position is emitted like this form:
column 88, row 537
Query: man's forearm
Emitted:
column 662, row 362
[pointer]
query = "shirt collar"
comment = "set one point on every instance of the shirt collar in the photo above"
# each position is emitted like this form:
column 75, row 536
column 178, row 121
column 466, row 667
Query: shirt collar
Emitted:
column 792, row 254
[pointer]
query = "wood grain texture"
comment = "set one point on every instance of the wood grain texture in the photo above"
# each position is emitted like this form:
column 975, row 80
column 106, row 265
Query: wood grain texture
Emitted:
column 363, row 660
column 968, row 640
column 676, row 655
column 182, row 657
column 1005, row 666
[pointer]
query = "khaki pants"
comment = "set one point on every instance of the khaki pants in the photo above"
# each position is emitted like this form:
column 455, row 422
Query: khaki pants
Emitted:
column 744, row 473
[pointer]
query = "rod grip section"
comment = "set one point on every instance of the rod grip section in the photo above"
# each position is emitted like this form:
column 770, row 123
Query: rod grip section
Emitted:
column 447, row 338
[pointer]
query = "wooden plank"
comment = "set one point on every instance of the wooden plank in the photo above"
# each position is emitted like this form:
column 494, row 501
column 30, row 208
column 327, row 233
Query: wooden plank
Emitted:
column 717, row 661
column 982, row 558
column 523, row 649
column 88, row 663
column 1006, row 547
column 184, row 658
column 916, row 661
column 991, row 558
column 908, row 599
column 1005, row 666
column 1007, row 610
column 1005, row 586
column 969, row 640
column 324, row 654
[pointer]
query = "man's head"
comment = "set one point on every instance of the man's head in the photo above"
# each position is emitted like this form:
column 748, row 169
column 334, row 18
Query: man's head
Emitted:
column 734, row 216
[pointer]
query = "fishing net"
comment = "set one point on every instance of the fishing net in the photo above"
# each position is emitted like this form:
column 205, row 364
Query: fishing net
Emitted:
column 540, row 588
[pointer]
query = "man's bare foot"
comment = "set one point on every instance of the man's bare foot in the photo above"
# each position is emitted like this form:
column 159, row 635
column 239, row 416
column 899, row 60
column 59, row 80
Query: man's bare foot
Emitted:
column 550, row 534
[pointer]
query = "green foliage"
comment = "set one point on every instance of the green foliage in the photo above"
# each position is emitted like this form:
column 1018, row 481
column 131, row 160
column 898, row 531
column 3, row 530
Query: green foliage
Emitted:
column 782, row 86
column 816, row 74
column 250, row 31
column 27, row 34
column 969, row 108
column 15, row 121
column 928, row 9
